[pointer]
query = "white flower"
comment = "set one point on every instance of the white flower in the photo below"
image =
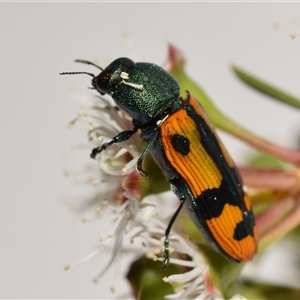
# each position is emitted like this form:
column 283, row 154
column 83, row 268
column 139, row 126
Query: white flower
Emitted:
column 103, row 121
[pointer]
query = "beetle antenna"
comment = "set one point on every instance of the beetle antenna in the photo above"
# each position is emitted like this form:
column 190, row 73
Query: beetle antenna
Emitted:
column 88, row 63
column 75, row 73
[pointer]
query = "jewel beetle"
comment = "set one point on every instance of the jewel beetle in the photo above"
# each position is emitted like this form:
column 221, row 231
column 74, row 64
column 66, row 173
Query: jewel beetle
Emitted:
column 184, row 144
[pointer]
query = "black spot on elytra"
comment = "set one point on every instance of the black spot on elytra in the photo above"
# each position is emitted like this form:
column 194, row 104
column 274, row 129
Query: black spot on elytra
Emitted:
column 181, row 144
column 211, row 202
column 245, row 227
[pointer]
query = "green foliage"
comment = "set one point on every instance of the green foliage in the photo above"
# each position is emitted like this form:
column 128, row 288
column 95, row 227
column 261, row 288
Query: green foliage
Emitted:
column 266, row 88
column 145, row 277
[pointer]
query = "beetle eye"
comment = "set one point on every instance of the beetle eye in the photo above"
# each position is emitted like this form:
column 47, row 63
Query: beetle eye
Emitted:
column 109, row 78
column 102, row 80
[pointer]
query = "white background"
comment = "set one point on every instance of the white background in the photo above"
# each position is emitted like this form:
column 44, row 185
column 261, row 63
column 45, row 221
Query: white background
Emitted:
column 38, row 233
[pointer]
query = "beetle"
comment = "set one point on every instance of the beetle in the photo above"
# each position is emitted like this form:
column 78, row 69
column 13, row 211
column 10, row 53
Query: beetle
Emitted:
column 186, row 147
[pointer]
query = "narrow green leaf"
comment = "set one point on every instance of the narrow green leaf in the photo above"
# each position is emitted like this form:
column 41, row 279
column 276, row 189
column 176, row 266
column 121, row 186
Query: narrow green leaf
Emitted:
column 266, row 88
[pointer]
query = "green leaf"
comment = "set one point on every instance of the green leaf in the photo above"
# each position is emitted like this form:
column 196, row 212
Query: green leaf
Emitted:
column 145, row 277
column 266, row 88
column 156, row 182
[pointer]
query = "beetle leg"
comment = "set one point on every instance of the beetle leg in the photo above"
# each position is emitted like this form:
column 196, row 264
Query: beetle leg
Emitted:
column 167, row 232
column 139, row 164
column 120, row 137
